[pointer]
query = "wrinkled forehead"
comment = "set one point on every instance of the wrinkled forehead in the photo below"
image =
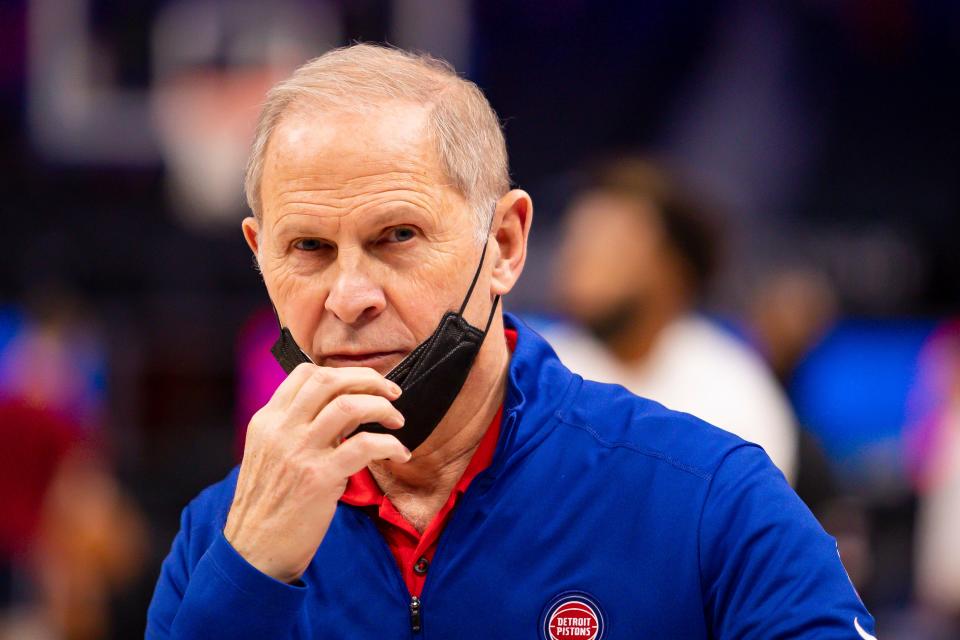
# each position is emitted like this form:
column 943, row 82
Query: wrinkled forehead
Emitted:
column 344, row 160
column 392, row 126
column 344, row 153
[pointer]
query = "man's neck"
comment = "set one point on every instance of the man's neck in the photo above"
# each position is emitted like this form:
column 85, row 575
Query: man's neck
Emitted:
column 440, row 461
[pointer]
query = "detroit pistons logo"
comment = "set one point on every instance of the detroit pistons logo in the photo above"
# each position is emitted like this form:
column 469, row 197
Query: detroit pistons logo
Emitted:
column 573, row 614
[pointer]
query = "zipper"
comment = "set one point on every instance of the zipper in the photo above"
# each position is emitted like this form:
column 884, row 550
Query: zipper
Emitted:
column 415, row 605
column 415, row 623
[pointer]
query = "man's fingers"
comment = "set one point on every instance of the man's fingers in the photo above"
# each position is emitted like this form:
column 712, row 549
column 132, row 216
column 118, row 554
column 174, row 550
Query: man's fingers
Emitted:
column 357, row 452
column 345, row 413
column 326, row 383
column 291, row 384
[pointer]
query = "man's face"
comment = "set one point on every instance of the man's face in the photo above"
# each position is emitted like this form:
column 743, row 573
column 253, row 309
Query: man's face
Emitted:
column 363, row 244
column 611, row 257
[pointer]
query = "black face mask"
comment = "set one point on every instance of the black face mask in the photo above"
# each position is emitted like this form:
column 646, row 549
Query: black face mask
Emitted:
column 431, row 376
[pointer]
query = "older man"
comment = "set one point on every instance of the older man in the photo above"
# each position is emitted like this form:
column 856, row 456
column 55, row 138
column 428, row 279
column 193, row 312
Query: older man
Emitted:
column 534, row 504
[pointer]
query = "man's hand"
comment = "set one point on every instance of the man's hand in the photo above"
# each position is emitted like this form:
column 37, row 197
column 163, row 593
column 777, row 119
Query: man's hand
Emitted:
column 296, row 463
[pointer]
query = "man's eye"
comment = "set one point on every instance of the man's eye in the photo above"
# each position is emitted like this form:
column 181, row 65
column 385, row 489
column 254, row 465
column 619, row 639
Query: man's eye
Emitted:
column 310, row 244
column 399, row 234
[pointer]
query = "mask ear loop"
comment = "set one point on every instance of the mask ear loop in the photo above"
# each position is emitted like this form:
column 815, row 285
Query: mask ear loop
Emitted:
column 493, row 310
column 476, row 276
column 466, row 298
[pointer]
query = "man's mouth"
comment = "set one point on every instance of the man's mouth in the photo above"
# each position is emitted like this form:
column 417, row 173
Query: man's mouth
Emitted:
column 373, row 359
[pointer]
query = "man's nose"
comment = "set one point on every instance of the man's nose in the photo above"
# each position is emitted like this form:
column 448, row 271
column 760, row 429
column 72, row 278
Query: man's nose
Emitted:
column 354, row 296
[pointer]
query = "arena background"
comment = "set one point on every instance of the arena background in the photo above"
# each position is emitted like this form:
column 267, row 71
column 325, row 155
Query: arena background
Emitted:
column 825, row 132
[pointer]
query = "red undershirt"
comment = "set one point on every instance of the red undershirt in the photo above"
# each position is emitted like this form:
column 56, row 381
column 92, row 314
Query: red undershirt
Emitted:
column 413, row 551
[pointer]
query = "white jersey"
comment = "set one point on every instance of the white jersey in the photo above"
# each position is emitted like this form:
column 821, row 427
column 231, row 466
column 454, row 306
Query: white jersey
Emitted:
column 698, row 368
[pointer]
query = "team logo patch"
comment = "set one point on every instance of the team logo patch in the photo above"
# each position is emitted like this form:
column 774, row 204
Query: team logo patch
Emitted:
column 573, row 614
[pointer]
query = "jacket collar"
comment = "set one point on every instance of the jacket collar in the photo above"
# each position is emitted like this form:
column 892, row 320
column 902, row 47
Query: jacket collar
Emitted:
column 538, row 388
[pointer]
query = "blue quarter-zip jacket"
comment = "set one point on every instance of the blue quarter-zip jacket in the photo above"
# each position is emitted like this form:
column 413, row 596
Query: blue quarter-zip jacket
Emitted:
column 667, row 527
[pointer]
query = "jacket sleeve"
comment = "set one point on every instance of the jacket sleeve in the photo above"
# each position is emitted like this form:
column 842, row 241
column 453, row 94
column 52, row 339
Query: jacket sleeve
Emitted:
column 221, row 596
column 768, row 569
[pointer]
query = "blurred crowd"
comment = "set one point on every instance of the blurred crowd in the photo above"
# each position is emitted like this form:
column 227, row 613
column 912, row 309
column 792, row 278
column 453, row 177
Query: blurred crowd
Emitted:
column 747, row 211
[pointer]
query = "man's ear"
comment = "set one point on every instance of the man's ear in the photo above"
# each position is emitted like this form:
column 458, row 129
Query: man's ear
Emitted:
column 512, row 220
column 251, row 233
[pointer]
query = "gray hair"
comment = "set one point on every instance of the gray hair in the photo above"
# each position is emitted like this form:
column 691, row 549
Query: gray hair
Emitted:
column 466, row 130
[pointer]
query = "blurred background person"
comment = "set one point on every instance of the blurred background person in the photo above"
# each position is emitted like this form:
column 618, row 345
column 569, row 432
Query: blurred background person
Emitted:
column 789, row 311
column 71, row 539
column 636, row 255
column 935, row 460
